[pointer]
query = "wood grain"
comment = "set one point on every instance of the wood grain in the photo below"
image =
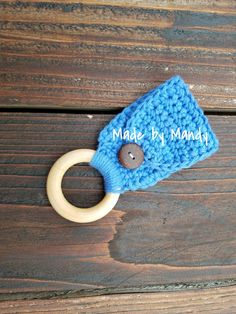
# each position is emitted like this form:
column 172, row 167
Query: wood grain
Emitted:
column 214, row 6
column 105, row 54
column 179, row 232
column 175, row 239
column 220, row 300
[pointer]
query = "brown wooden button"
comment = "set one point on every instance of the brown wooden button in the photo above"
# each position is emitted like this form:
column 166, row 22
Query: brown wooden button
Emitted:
column 131, row 156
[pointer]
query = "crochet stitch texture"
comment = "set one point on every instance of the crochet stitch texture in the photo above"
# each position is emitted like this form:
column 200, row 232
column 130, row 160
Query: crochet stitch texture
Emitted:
column 169, row 106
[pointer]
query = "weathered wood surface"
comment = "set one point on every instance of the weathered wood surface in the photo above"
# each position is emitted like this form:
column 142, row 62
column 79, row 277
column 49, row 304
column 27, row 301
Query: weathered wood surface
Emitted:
column 104, row 54
column 221, row 300
column 177, row 235
column 179, row 232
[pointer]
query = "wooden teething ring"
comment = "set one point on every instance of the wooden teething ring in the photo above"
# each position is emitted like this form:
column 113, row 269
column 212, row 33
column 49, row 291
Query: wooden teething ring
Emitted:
column 59, row 202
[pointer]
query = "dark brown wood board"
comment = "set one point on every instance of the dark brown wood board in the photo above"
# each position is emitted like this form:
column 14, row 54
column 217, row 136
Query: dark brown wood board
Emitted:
column 66, row 68
column 104, row 54
column 180, row 231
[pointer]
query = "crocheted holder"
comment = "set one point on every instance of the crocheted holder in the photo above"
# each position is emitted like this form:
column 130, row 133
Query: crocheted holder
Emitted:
column 185, row 137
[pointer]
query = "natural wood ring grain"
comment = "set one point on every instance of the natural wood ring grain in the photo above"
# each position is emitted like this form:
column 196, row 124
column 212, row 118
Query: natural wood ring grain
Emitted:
column 59, row 202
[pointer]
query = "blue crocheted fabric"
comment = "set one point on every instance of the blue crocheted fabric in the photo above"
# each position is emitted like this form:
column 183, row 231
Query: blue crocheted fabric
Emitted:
column 184, row 137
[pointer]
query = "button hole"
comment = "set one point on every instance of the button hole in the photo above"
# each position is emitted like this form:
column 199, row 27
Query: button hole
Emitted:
column 131, row 155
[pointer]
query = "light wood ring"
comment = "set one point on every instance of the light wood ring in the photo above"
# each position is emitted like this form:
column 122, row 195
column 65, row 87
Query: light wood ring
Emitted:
column 59, row 202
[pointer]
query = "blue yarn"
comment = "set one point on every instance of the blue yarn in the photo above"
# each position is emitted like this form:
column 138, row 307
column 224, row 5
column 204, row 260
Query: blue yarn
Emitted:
column 169, row 106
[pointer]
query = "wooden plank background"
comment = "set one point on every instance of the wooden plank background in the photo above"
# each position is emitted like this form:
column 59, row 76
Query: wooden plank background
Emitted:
column 65, row 70
column 220, row 301
column 182, row 230
column 104, row 54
